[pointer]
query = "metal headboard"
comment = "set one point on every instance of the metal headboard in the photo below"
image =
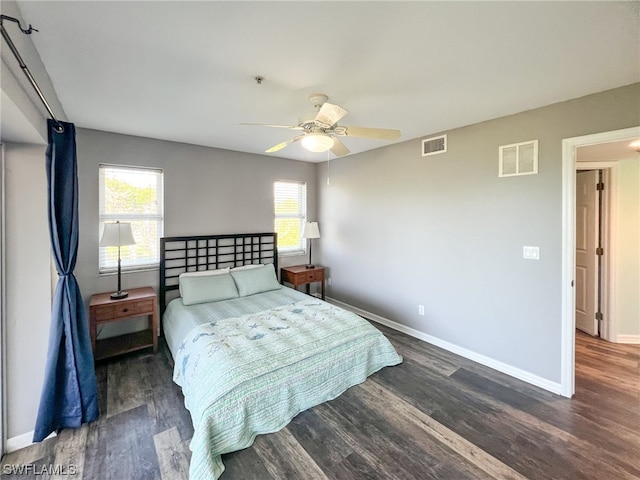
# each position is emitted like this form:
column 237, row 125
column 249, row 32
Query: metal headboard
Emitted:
column 210, row 252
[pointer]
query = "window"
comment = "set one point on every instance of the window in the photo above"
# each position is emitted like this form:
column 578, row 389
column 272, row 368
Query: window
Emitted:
column 135, row 195
column 290, row 207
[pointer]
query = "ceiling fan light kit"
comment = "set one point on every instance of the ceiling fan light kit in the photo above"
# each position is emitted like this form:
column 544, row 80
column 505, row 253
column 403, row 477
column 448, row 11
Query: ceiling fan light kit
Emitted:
column 317, row 142
column 320, row 130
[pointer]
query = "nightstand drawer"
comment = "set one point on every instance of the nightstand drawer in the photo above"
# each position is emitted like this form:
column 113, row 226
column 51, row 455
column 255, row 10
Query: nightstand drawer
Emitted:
column 104, row 313
column 315, row 276
column 125, row 310
column 287, row 276
column 118, row 311
column 144, row 307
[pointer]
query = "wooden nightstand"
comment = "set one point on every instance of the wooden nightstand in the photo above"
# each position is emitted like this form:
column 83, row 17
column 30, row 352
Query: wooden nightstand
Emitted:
column 102, row 309
column 301, row 275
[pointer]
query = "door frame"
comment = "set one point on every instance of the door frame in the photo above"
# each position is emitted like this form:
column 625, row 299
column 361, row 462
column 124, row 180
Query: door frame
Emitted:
column 568, row 322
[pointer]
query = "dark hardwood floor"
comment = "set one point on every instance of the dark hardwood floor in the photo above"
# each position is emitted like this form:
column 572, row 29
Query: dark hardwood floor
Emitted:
column 436, row 416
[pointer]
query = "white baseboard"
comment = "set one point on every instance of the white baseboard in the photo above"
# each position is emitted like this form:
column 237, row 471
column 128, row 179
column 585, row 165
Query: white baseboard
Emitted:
column 20, row 441
column 523, row 375
column 631, row 339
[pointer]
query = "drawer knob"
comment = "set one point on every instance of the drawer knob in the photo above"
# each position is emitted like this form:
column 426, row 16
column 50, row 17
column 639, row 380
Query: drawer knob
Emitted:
column 125, row 310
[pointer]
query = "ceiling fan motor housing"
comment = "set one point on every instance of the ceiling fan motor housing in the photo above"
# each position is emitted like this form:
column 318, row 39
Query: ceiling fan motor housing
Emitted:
column 318, row 99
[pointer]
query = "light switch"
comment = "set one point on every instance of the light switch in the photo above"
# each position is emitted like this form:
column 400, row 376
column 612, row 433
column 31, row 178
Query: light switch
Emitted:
column 531, row 253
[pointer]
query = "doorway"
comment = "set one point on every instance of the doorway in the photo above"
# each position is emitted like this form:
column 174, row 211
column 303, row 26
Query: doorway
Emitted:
column 570, row 148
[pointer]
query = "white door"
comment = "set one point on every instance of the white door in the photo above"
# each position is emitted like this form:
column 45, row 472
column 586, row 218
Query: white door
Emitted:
column 587, row 221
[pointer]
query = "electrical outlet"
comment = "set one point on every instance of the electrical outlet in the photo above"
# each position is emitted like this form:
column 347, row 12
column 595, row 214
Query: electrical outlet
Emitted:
column 420, row 309
column 329, row 281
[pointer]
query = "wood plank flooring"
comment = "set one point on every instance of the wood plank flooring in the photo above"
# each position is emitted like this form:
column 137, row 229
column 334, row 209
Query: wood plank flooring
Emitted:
column 435, row 416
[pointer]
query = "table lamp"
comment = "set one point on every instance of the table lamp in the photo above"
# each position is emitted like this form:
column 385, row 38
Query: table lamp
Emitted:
column 310, row 231
column 117, row 234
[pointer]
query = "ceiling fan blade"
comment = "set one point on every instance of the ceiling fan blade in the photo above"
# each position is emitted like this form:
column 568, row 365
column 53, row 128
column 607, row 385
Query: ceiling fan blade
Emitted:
column 329, row 114
column 376, row 133
column 290, row 127
column 339, row 149
column 280, row 146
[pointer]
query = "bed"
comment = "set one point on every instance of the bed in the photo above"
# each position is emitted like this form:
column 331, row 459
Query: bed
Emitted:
column 249, row 353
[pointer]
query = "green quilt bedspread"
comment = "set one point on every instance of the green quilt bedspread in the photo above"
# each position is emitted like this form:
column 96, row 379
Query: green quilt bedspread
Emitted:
column 252, row 374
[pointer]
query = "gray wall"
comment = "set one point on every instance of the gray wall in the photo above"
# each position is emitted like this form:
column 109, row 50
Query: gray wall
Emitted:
column 206, row 191
column 399, row 230
column 627, row 281
column 28, row 283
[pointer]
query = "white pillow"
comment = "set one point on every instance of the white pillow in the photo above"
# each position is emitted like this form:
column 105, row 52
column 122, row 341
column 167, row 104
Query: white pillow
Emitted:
column 255, row 280
column 200, row 273
column 207, row 288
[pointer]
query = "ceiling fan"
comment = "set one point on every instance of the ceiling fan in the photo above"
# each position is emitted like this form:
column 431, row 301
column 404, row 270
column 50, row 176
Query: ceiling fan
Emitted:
column 320, row 129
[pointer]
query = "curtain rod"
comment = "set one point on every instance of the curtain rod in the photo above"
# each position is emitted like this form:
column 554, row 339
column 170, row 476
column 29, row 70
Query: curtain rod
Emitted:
column 23, row 66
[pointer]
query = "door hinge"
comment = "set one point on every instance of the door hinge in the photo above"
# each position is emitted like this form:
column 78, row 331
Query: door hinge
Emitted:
column 600, row 186
column 599, row 251
column 599, row 316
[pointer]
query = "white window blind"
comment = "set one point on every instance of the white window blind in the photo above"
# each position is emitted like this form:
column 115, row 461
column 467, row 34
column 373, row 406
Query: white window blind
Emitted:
column 131, row 194
column 290, row 208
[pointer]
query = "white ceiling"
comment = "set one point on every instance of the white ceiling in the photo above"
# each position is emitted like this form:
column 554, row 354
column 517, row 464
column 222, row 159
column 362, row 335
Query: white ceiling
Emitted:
column 184, row 71
column 609, row 151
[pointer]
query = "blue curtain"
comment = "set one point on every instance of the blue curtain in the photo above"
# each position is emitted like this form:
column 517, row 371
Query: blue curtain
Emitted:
column 69, row 394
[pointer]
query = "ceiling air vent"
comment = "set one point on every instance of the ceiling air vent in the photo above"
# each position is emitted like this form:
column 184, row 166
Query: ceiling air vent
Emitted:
column 518, row 159
column 434, row 145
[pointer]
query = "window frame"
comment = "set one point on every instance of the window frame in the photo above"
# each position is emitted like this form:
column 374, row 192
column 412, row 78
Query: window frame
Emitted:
column 103, row 218
column 301, row 249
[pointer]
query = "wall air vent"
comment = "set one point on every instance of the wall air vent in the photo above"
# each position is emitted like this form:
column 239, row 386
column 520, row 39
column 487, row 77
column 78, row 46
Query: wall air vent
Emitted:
column 518, row 159
column 434, row 145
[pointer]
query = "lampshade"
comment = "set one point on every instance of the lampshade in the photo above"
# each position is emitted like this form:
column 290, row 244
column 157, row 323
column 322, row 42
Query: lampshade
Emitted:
column 317, row 142
column 117, row 234
column 310, row 230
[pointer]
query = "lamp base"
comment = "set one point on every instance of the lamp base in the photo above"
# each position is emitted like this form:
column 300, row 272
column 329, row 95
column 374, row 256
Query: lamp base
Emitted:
column 119, row 295
column 309, row 266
